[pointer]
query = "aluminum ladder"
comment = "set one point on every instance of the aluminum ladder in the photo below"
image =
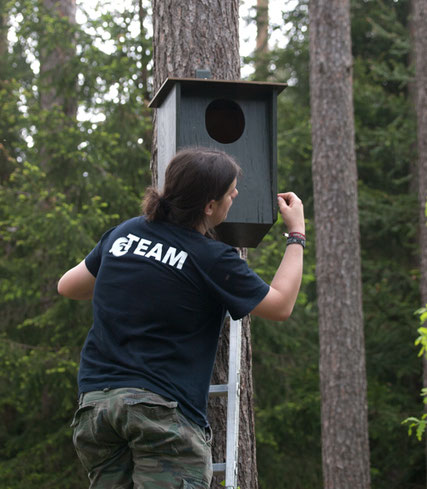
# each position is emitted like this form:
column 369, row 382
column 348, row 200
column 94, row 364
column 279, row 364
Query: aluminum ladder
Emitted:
column 232, row 391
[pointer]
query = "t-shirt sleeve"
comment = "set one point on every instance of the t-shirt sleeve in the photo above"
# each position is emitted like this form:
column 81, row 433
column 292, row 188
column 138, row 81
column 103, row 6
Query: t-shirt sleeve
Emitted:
column 93, row 259
column 237, row 286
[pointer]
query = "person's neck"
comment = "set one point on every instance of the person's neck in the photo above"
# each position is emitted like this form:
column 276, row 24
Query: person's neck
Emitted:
column 203, row 227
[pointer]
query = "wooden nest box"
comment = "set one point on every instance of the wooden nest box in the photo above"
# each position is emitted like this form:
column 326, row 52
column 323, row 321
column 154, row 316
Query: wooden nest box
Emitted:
column 239, row 118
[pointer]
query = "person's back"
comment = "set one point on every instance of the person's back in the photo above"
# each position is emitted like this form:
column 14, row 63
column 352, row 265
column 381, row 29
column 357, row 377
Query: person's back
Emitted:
column 159, row 301
column 161, row 287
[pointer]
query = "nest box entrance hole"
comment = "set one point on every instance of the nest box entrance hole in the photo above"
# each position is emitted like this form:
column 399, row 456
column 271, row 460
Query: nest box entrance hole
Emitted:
column 225, row 121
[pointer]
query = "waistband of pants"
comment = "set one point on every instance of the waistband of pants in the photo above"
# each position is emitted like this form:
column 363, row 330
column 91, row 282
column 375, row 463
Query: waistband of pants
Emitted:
column 99, row 395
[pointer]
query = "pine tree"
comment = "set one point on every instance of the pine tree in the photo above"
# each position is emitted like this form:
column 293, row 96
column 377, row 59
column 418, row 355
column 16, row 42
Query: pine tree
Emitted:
column 345, row 451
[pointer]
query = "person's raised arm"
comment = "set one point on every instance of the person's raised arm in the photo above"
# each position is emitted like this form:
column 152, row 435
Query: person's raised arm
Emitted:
column 279, row 302
column 78, row 283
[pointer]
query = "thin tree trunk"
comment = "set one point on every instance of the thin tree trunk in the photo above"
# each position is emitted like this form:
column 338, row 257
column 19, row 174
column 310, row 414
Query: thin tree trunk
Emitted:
column 419, row 24
column 191, row 35
column 412, row 92
column 420, row 37
column 53, row 61
column 142, row 14
column 261, row 50
column 5, row 157
column 345, row 447
column 3, row 43
column 56, row 85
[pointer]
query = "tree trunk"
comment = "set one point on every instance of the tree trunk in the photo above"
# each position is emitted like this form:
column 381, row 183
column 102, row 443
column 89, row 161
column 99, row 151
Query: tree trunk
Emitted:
column 345, row 447
column 56, row 84
column 54, row 60
column 190, row 35
column 420, row 38
column 261, row 50
column 412, row 92
column 5, row 157
column 3, row 42
column 142, row 14
column 419, row 24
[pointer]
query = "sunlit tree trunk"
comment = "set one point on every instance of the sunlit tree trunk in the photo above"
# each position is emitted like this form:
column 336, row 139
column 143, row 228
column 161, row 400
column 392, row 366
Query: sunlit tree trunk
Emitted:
column 345, row 447
column 419, row 29
column 191, row 35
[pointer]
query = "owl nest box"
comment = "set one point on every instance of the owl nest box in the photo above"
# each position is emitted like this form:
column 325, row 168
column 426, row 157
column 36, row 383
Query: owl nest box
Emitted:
column 238, row 118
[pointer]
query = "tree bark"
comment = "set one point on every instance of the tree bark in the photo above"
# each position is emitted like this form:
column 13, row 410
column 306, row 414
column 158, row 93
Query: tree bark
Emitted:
column 345, row 447
column 419, row 29
column 202, row 34
column 261, row 50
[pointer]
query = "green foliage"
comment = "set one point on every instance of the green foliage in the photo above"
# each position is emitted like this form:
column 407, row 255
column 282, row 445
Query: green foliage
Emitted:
column 422, row 339
column 63, row 181
column 385, row 132
column 420, row 424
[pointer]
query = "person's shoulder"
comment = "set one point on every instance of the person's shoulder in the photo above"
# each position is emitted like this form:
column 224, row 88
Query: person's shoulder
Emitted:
column 219, row 246
column 132, row 222
column 123, row 228
column 218, row 250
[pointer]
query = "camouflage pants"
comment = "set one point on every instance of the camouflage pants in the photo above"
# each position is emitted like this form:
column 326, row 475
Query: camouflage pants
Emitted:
column 134, row 439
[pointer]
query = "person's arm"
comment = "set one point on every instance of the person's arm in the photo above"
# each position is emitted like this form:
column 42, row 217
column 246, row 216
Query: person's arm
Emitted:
column 279, row 302
column 78, row 283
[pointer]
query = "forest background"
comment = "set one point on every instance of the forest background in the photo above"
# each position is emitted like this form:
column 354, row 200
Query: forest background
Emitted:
column 66, row 176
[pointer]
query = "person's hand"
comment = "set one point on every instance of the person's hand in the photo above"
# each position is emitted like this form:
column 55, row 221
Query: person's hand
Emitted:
column 292, row 210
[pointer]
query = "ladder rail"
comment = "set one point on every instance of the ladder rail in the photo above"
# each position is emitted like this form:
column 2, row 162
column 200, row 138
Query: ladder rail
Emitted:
column 232, row 391
column 233, row 404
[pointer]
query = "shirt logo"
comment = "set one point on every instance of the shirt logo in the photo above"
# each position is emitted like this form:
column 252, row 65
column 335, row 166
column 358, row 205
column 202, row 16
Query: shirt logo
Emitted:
column 120, row 247
column 148, row 249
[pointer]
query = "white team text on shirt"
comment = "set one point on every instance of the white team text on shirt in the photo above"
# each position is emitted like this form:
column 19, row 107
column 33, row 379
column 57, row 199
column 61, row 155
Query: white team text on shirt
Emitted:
column 148, row 249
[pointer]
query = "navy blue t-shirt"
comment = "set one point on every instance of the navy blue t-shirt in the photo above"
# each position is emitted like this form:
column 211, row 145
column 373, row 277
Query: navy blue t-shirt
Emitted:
column 160, row 298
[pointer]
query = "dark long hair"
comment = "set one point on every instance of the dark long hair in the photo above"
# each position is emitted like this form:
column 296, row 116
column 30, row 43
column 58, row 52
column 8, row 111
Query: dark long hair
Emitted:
column 194, row 177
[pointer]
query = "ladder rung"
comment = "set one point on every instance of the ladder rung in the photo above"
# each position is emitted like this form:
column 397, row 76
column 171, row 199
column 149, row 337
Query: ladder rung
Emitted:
column 219, row 468
column 218, row 390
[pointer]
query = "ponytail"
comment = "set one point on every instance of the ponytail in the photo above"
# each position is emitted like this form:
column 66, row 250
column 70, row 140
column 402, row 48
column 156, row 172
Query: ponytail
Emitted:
column 193, row 178
column 154, row 206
